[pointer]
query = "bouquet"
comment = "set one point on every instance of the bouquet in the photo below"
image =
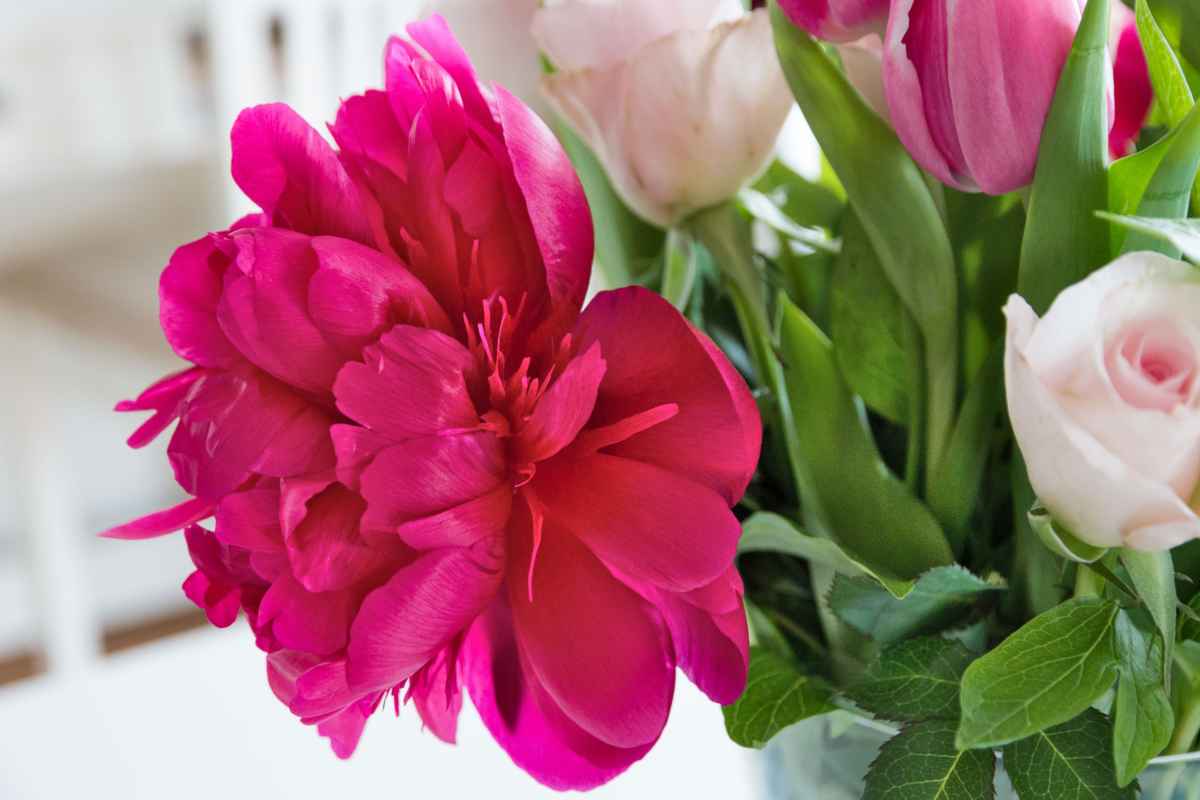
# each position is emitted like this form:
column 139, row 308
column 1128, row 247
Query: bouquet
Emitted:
column 910, row 434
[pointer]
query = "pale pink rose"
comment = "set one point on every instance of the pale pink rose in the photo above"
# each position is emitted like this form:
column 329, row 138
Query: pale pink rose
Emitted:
column 1104, row 397
column 681, row 100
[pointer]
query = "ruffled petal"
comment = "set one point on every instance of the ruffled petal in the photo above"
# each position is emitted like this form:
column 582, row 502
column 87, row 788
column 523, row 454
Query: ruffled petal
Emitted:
column 712, row 648
column 436, row 691
column 160, row 523
column 188, row 293
column 317, row 623
column 563, row 410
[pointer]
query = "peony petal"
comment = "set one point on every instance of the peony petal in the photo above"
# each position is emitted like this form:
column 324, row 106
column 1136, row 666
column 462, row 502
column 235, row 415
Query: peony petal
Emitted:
column 250, row 520
column 513, row 709
column 164, row 398
column 188, row 292
column 460, row 526
column 437, row 693
column 655, row 358
column 160, row 523
column 642, row 520
column 317, row 623
column 411, row 385
column 285, row 166
column 712, row 648
column 421, row 477
column 344, row 730
column 405, row 622
column 310, row 686
column 327, row 550
column 616, row 682
column 563, row 410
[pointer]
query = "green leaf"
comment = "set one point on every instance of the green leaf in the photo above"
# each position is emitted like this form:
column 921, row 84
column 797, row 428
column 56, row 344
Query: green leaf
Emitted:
column 914, row 680
column 848, row 488
column 1060, row 541
column 768, row 532
column 890, row 196
column 953, row 494
column 1168, row 192
column 1050, row 670
column 1153, row 575
column 1071, row 761
column 1182, row 234
column 921, row 763
column 1171, row 88
column 777, row 695
column 1064, row 241
column 942, row 597
column 759, row 206
column 1142, row 716
column 679, row 269
column 867, row 325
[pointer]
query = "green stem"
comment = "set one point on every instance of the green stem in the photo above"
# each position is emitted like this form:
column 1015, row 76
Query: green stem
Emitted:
column 679, row 269
column 1088, row 582
column 916, row 410
column 1187, row 727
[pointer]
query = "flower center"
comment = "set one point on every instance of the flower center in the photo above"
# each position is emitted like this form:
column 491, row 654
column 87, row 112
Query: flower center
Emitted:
column 1153, row 365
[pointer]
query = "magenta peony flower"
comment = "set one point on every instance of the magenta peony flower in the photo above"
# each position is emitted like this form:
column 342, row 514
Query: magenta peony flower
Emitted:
column 428, row 469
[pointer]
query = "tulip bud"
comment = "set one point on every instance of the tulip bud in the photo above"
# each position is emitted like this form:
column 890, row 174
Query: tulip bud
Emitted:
column 1134, row 94
column 837, row 20
column 681, row 100
column 970, row 84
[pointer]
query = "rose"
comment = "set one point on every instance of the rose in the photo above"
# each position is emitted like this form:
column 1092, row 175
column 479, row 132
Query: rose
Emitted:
column 1104, row 398
column 681, row 100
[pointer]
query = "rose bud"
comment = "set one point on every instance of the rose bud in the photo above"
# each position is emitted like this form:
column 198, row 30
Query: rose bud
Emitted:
column 969, row 85
column 837, row 20
column 681, row 100
column 1104, row 398
column 1134, row 94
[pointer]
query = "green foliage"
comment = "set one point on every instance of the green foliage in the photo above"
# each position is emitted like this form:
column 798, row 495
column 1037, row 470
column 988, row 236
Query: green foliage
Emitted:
column 914, row 680
column 1071, row 761
column 1142, row 716
column 1064, row 241
column 1182, row 234
column 1153, row 576
column 921, row 763
column 941, row 598
column 846, row 487
column 777, row 695
column 1046, row 673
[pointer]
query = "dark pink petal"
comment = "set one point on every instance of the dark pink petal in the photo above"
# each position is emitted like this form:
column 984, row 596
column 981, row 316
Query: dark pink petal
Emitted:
column 437, row 694
column 558, row 210
column 425, row 476
column 473, row 190
column 644, row 521
column 317, row 623
column 655, row 359
column 411, row 385
column 367, row 132
column 432, row 222
column 434, row 35
column 1133, row 92
column 405, row 622
column 250, row 520
column 356, row 448
column 220, row 602
column 713, row 649
column 310, row 686
column 616, row 681
column 418, row 87
column 188, row 292
column 327, row 550
column 462, row 525
column 159, row 523
column 563, row 410
column 524, row 720
column 345, row 729
column 285, row 166
column 165, row 399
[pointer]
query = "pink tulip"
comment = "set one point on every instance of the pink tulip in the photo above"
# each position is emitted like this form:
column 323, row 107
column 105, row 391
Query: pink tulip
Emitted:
column 429, row 470
column 837, row 20
column 1134, row 94
column 969, row 84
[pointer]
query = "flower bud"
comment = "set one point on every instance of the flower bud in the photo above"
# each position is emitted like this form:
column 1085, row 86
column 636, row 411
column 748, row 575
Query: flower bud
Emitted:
column 837, row 20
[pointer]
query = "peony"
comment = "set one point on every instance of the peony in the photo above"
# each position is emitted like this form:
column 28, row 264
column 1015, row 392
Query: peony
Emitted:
column 429, row 470
column 1104, row 397
column 682, row 100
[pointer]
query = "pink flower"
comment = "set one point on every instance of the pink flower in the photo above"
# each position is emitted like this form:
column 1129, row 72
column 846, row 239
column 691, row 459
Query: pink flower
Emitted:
column 969, row 84
column 1104, row 398
column 837, row 20
column 428, row 469
column 1134, row 94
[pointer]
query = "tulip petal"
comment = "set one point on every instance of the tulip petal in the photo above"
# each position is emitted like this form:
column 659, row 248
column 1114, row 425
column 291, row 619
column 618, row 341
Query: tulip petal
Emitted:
column 616, row 682
column 405, row 622
column 714, row 437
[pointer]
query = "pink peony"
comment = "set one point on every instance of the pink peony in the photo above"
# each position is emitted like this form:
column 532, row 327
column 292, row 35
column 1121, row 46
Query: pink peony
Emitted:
column 428, row 469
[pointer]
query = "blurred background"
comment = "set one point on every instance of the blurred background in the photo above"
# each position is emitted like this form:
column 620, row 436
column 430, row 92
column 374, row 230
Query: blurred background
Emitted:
column 113, row 150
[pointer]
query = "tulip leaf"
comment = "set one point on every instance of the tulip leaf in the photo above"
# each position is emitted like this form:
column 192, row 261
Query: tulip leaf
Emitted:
column 914, row 680
column 897, row 210
column 777, row 695
column 1153, row 576
column 1049, row 671
column 1166, row 73
column 921, row 763
column 1060, row 541
column 1168, row 193
column 759, row 206
column 1064, row 241
column 1183, row 234
column 847, row 489
column 1073, row 760
column 768, row 532
column 1143, row 719
column 868, row 326
column 941, row 598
